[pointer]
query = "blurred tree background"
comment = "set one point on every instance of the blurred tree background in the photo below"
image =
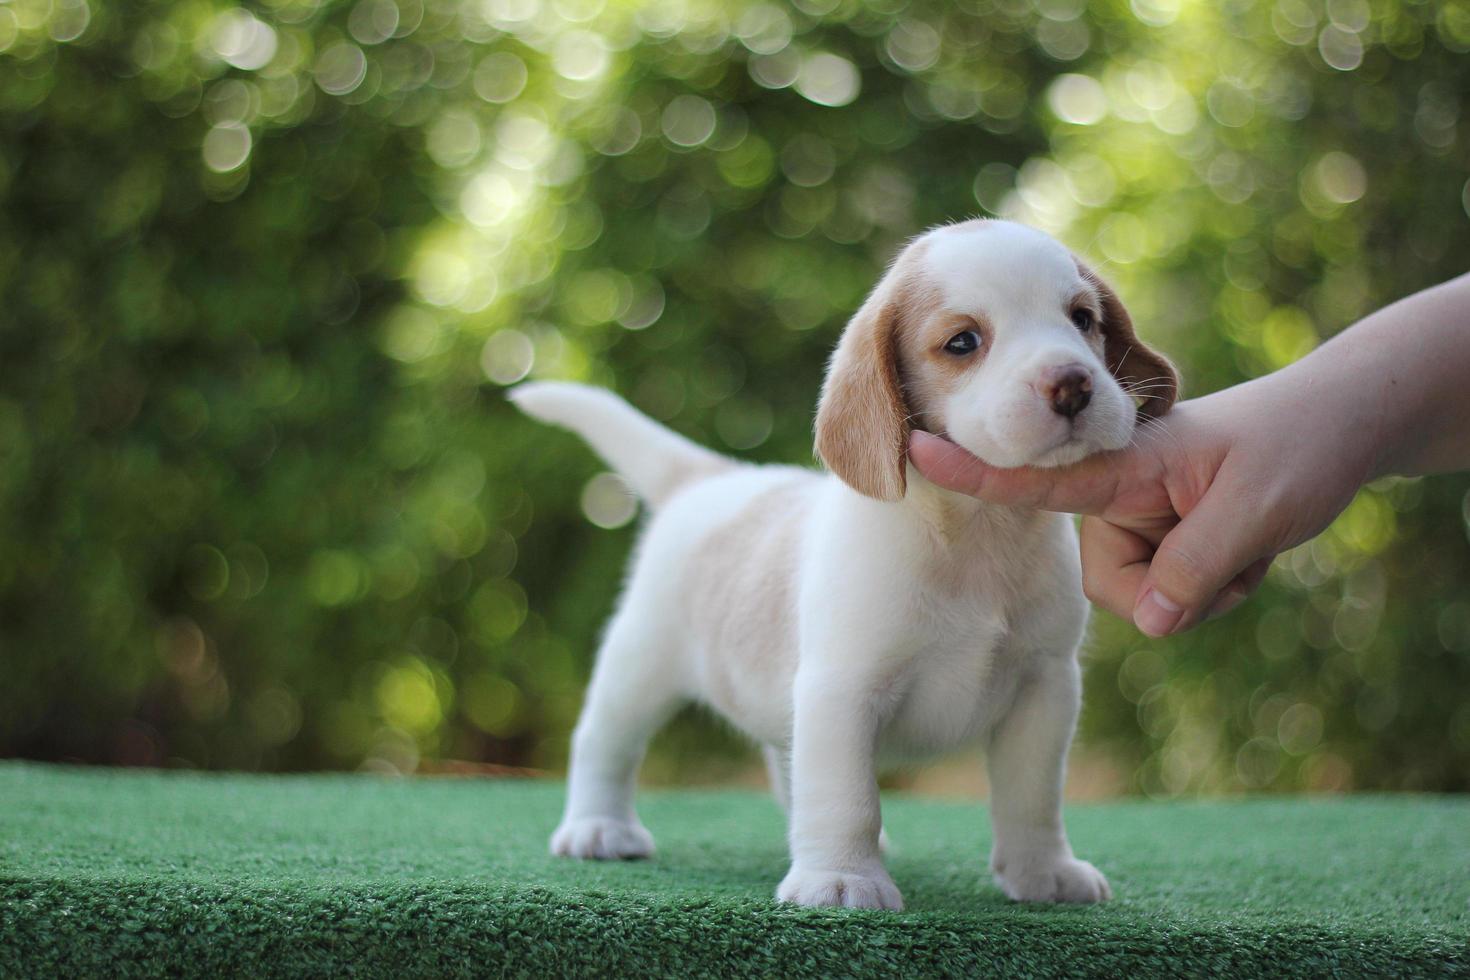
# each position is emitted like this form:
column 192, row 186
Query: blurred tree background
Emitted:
column 265, row 269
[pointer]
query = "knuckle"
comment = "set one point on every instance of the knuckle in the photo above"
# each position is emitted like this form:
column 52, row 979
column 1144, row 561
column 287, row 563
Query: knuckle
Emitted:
column 1015, row 489
column 1091, row 542
column 1092, row 586
column 1021, row 493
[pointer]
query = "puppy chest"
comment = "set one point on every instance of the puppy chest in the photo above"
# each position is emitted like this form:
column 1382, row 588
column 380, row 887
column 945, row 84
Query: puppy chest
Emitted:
column 951, row 695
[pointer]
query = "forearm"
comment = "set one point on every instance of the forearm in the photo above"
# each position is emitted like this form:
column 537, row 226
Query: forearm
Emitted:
column 1402, row 375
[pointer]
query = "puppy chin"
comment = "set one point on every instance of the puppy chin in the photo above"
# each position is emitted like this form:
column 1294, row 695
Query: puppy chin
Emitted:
column 1010, row 456
column 985, row 450
column 1062, row 450
column 1041, row 439
column 1074, row 450
column 1081, row 443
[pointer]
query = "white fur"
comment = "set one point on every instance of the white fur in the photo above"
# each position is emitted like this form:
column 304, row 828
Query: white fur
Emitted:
column 843, row 632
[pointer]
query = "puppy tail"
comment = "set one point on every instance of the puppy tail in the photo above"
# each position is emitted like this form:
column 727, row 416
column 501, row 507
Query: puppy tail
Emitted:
column 655, row 461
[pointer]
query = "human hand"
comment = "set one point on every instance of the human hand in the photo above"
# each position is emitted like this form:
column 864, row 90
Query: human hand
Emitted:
column 1181, row 526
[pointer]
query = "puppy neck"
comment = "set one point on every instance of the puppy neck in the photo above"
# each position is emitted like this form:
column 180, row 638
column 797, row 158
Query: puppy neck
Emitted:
column 952, row 517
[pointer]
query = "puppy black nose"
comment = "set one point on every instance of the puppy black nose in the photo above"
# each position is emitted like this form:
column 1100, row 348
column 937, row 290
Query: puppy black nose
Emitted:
column 1068, row 388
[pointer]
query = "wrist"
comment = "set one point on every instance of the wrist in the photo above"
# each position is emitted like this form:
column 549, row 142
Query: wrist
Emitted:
column 1340, row 409
column 1396, row 444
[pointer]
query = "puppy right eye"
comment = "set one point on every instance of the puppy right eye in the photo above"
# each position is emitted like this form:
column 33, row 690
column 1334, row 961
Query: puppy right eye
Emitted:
column 965, row 342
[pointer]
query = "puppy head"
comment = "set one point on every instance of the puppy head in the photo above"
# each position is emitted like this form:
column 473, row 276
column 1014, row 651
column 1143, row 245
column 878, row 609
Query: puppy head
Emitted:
column 993, row 335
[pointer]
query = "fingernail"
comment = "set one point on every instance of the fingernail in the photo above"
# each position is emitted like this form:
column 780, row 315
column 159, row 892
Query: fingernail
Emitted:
column 1155, row 615
column 1228, row 600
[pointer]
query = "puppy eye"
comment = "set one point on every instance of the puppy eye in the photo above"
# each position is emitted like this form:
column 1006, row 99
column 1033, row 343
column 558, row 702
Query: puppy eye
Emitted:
column 966, row 342
column 1083, row 319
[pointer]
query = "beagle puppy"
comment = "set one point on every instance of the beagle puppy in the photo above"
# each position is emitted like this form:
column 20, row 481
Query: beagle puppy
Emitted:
column 864, row 617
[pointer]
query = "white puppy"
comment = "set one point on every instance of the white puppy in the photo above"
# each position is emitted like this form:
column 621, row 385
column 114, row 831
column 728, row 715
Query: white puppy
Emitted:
column 869, row 617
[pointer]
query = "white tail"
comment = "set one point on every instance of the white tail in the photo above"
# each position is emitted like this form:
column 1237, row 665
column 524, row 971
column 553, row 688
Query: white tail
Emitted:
column 654, row 460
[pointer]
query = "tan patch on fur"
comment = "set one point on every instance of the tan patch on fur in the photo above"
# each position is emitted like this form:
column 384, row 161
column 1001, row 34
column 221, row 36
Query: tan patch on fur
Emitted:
column 864, row 417
column 926, row 370
column 742, row 607
column 862, row 422
column 1132, row 362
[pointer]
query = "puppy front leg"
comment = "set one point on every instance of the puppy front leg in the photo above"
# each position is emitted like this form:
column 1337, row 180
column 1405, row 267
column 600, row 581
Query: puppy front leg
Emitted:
column 1031, row 858
column 835, row 819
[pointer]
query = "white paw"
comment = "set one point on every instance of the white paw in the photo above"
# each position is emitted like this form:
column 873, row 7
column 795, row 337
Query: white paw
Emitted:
column 601, row 838
column 870, row 889
column 1053, row 880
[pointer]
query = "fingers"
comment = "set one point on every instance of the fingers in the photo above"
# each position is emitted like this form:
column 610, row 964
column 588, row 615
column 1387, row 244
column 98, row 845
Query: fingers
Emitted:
column 1114, row 565
column 1087, row 487
column 1239, row 589
column 1204, row 567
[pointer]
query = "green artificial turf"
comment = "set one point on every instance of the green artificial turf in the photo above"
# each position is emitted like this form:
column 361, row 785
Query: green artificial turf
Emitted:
column 117, row 872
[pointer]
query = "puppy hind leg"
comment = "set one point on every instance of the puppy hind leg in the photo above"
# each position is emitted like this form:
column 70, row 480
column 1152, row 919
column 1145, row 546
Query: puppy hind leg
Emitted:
column 634, row 690
column 778, row 771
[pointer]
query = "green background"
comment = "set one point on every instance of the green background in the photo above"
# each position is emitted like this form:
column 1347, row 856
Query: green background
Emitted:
column 264, row 271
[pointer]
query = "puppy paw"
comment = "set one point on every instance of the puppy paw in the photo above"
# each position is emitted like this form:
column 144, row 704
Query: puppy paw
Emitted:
column 602, row 839
column 871, row 889
column 1055, row 880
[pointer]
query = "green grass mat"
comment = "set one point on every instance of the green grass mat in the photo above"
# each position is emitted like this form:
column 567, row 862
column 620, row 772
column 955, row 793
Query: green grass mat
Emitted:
column 107, row 872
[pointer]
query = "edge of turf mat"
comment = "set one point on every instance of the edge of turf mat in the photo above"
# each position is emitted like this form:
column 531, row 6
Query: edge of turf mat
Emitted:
column 140, row 873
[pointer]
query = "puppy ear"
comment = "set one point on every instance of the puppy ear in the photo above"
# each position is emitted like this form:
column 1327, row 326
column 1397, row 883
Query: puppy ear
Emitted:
column 862, row 424
column 1143, row 372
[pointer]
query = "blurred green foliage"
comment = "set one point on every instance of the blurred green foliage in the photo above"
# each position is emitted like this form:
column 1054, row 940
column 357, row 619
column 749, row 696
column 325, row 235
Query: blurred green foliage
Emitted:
column 264, row 269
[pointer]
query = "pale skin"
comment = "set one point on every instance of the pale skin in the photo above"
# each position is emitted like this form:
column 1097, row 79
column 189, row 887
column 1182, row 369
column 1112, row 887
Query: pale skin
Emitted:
column 1181, row 526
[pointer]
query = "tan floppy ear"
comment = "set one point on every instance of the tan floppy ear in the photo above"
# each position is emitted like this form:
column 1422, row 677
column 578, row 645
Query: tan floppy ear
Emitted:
column 862, row 425
column 1143, row 372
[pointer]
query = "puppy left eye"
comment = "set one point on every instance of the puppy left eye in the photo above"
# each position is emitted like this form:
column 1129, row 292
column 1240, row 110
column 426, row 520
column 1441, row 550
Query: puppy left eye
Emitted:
column 1083, row 319
column 966, row 342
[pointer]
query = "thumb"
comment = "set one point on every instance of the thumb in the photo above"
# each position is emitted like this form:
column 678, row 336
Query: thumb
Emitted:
column 1207, row 551
column 1083, row 488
